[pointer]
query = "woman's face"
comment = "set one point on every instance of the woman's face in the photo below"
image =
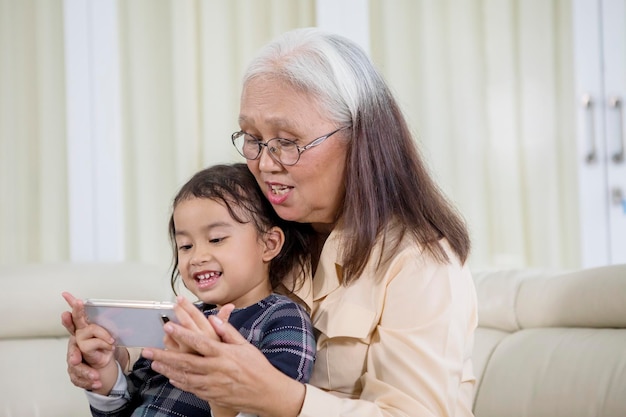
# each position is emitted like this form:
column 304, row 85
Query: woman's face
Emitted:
column 312, row 190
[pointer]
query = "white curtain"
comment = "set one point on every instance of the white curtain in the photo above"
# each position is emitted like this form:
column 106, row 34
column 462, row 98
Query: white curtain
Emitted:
column 488, row 89
column 486, row 85
column 33, row 174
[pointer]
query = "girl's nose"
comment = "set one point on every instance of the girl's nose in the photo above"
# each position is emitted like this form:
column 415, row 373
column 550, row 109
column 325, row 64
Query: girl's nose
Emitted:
column 200, row 256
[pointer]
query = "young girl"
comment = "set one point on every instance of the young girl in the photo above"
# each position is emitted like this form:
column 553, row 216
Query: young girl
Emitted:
column 229, row 247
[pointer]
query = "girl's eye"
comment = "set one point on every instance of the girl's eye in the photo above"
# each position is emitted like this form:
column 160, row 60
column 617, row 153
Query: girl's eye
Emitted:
column 217, row 240
column 184, row 247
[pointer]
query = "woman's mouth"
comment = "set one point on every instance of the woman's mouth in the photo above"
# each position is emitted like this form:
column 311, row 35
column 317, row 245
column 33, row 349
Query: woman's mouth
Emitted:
column 279, row 189
column 278, row 193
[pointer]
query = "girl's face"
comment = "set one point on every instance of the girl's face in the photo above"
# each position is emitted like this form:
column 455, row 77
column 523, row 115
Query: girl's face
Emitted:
column 312, row 190
column 219, row 259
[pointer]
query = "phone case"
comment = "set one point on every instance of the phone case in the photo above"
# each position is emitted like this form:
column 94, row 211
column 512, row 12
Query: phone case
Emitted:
column 132, row 323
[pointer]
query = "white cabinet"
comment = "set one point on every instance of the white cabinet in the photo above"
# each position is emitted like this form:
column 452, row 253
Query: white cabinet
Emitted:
column 600, row 68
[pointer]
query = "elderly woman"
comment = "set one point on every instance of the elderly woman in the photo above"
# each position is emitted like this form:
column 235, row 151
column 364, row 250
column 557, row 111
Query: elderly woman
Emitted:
column 390, row 296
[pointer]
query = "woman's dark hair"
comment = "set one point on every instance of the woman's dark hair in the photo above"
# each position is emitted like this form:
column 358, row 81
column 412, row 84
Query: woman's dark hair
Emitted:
column 387, row 182
column 235, row 187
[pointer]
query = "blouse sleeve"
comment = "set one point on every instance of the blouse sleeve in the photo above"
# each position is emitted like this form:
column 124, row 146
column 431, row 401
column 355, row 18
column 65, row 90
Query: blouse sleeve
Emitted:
column 418, row 362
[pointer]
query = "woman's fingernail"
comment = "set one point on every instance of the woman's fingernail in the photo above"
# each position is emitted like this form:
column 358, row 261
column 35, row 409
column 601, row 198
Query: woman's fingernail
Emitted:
column 169, row 329
column 147, row 353
column 218, row 320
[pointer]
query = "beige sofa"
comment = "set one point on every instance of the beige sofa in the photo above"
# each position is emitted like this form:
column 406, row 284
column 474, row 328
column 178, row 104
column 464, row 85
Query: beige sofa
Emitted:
column 33, row 377
column 549, row 344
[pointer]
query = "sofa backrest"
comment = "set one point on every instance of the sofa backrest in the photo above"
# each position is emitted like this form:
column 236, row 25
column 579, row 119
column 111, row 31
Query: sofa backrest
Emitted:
column 551, row 343
column 33, row 343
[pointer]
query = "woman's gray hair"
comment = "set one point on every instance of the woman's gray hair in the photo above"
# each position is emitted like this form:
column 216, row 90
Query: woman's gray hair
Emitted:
column 386, row 181
column 332, row 68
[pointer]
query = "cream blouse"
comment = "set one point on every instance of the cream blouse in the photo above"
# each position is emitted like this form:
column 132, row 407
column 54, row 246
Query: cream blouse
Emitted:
column 396, row 342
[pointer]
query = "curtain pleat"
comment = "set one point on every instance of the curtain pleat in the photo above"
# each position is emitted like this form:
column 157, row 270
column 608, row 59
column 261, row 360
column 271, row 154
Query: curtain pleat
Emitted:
column 33, row 173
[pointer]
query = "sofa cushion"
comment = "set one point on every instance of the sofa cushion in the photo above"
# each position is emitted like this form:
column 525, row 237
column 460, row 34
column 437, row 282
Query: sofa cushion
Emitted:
column 511, row 300
column 497, row 293
column 573, row 372
column 594, row 297
column 485, row 343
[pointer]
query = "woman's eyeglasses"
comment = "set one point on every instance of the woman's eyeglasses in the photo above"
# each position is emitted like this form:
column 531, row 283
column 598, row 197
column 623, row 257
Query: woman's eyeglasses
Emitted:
column 285, row 151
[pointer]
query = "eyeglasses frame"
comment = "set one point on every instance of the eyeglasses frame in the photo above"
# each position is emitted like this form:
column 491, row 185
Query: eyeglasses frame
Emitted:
column 300, row 149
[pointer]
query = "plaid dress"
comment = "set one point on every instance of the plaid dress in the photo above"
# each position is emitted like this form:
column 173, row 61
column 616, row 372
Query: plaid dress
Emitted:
column 280, row 328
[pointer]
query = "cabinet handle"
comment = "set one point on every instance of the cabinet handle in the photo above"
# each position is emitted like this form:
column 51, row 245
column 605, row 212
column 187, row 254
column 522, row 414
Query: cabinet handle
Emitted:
column 617, row 153
column 590, row 138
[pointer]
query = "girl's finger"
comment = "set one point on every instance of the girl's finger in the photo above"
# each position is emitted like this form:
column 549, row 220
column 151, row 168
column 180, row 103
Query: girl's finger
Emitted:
column 193, row 312
column 79, row 317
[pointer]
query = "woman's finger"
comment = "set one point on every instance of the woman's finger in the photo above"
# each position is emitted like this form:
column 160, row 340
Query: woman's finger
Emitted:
column 174, row 365
column 226, row 332
column 81, row 374
column 225, row 312
column 68, row 323
column 74, row 356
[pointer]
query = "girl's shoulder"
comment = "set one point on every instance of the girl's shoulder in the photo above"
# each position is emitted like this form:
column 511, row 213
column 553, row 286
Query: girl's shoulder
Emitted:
column 277, row 302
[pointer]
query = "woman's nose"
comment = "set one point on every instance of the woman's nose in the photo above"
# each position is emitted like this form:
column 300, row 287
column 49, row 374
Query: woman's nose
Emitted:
column 267, row 163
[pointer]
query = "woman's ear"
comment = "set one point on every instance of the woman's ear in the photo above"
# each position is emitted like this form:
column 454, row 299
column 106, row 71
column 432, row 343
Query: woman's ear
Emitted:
column 274, row 240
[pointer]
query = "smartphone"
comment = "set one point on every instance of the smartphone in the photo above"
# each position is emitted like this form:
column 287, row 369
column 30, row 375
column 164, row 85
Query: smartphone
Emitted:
column 132, row 323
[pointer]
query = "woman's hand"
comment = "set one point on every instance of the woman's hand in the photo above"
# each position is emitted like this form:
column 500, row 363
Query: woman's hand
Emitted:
column 227, row 372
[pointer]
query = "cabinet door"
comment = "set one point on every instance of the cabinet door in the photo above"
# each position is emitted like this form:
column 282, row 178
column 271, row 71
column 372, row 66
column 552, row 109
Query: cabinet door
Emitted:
column 593, row 195
column 600, row 67
column 614, row 53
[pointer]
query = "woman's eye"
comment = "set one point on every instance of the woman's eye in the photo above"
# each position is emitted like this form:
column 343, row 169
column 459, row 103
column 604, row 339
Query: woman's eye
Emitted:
column 286, row 144
column 250, row 140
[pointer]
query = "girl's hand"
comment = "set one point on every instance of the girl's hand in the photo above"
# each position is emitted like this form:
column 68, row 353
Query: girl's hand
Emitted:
column 191, row 318
column 81, row 365
column 96, row 345
column 81, row 374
